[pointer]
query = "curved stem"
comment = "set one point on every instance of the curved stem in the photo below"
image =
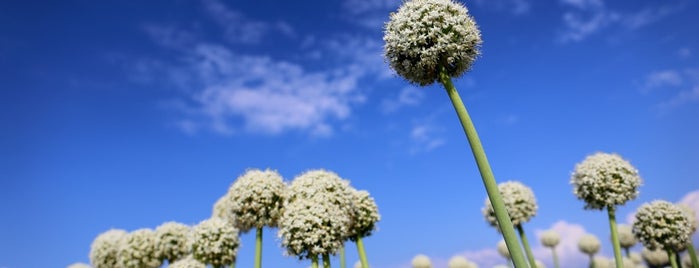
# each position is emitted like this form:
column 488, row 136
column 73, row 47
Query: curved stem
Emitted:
column 314, row 262
column 343, row 260
column 555, row 258
column 615, row 237
column 693, row 255
column 258, row 248
column 525, row 243
column 673, row 260
column 362, row 253
column 491, row 186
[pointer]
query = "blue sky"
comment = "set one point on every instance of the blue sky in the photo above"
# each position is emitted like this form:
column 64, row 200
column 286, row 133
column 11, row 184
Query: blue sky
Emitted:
column 118, row 114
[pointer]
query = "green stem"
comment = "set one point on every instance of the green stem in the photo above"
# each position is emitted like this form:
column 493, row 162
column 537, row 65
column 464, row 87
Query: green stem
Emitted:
column 232, row 265
column 326, row 260
column 628, row 252
column 258, row 248
column 555, row 258
column 343, row 260
column 693, row 255
column 525, row 243
column 673, row 260
column 679, row 260
column 592, row 261
column 314, row 262
column 615, row 237
column 491, row 186
column 362, row 253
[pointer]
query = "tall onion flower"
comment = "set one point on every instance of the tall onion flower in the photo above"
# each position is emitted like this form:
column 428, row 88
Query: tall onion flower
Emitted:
column 173, row 241
column 215, row 242
column 256, row 200
column 187, row 262
column 590, row 245
column 662, row 225
column 692, row 217
column 429, row 41
column 104, row 249
column 655, row 258
column 138, row 250
column 605, row 181
column 460, row 262
column 421, row 261
column 520, row 204
column 222, row 209
column 626, row 238
column 365, row 215
column 550, row 239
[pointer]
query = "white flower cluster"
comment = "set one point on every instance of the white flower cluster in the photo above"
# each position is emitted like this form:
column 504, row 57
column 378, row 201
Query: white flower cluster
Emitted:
column 656, row 257
column 603, row 262
column 626, row 237
column 550, row 238
column 256, row 199
column 636, row 258
column 460, row 262
column 222, row 209
column 103, row 251
column 503, row 250
column 519, row 202
column 188, row 262
column 687, row 260
column 79, row 265
column 589, row 244
column 662, row 225
column 426, row 35
column 605, row 180
column 215, row 242
column 365, row 214
column 317, row 214
column 173, row 241
column 691, row 216
column 138, row 250
column 421, row 261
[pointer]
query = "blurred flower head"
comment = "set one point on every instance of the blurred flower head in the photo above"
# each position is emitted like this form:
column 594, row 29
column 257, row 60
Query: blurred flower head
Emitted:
column 519, row 202
column 256, row 199
column 626, row 237
column 421, row 261
column 589, row 244
column 662, row 225
column 605, row 180
column 138, row 250
column 187, row 262
column 173, row 241
column 104, row 249
column 656, row 257
column 550, row 238
column 502, row 249
column 426, row 35
column 691, row 216
column 215, row 242
column 460, row 262
column 365, row 214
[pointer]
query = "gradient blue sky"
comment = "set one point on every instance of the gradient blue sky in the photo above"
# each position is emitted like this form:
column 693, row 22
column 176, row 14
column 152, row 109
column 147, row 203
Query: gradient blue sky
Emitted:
column 126, row 114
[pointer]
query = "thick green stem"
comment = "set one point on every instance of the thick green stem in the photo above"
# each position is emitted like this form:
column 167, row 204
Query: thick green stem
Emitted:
column 592, row 261
column 258, row 248
column 692, row 255
column 525, row 243
column 673, row 260
column 362, row 253
column 326, row 260
column 314, row 262
column 555, row 258
column 615, row 237
column 491, row 187
column 343, row 259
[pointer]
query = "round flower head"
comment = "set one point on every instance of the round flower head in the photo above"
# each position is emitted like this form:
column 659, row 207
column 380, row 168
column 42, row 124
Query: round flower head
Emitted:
column 603, row 262
column 626, row 237
column 691, row 216
column 421, row 261
column 539, row 264
column 323, row 186
column 309, row 228
column 662, row 225
column 687, row 260
column 79, row 265
column 103, row 251
column 605, row 180
column 589, row 244
column 460, row 262
column 427, row 35
column 519, row 202
column 365, row 214
column 187, row 262
column 222, row 209
column 636, row 258
column 256, row 199
column 550, row 238
column 358, row 264
column 138, row 250
column 502, row 249
column 173, row 241
column 215, row 242
column 655, row 258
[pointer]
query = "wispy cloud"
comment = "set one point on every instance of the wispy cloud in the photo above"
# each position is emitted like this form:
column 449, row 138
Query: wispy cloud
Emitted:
column 676, row 88
column 240, row 29
column 515, row 7
column 567, row 249
column 408, row 96
column 661, row 79
column 371, row 14
column 425, row 137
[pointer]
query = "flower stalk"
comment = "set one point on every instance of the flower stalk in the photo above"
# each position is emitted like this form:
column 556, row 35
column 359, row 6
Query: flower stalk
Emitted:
column 491, row 186
column 343, row 259
column 615, row 237
column 326, row 260
column 673, row 260
column 362, row 253
column 525, row 243
column 693, row 255
column 258, row 248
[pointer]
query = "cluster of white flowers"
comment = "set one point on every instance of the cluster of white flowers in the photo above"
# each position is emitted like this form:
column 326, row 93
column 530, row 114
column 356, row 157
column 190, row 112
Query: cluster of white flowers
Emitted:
column 605, row 180
column 173, row 241
column 188, row 262
column 636, row 258
column 138, row 250
column 104, row 249
column 323, row 186
column 421, row 261
column 656, row 257
column 603, row 262
column 256, row 199
column 519, row 202
column 222, row 209
column 687, row 260
column 691, row 216
column 626, row 237
column 215, row 242
column 503, row 250
column 661, row 224
column 79, row 265
column 550, row 238
column 426, row 35
column 461, row 262
column 365, row 214
column 589, row 244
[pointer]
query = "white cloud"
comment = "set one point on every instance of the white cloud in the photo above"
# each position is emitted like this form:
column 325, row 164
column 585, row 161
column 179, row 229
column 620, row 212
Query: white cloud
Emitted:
column 240, row 29
column 408, row 96
column 661, row 79
column 680, row 99
column 371, row 14
column 681, row 85
column 684, row 53
column 567, row 249
column 515, row 7
column 691, row 199
column 488, row 257
column 425, row 138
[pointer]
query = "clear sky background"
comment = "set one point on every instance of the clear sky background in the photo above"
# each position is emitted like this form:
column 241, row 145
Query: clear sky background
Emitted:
column 128, row 114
